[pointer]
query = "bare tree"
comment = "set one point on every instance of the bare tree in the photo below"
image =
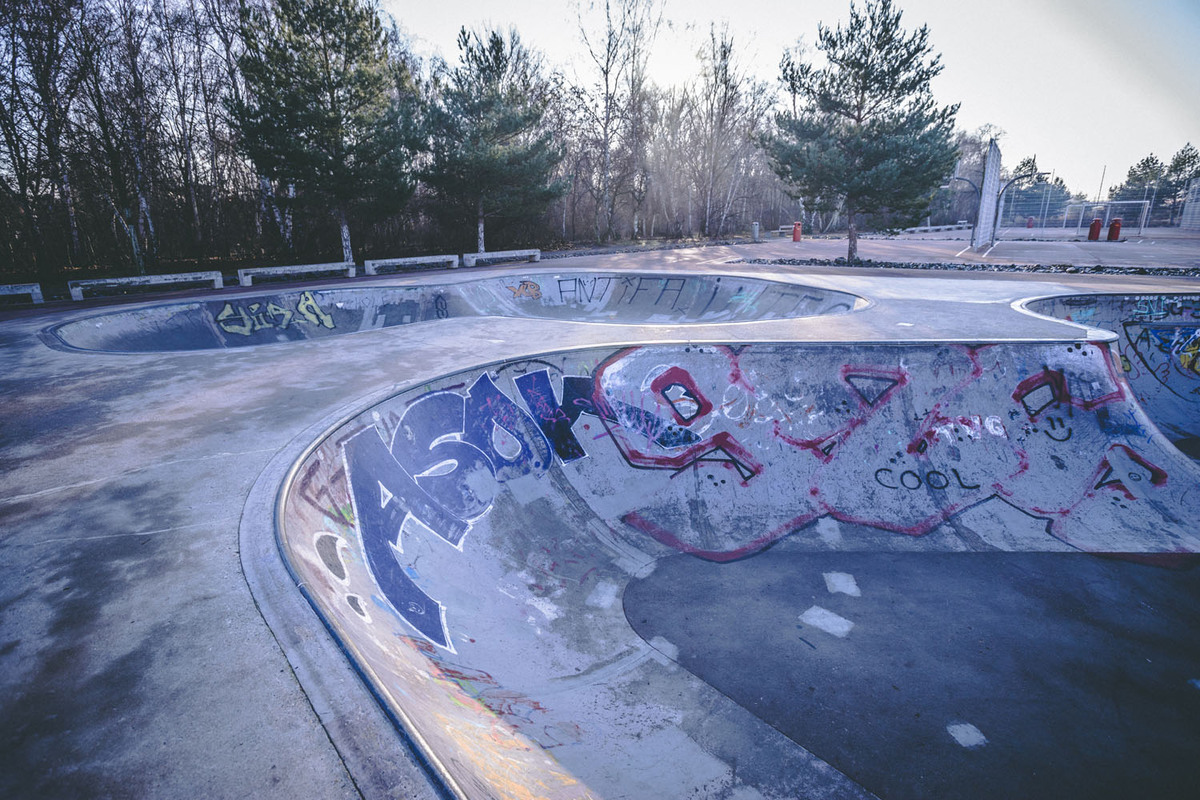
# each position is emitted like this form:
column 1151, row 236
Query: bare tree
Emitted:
column 42, row 78
column 617, row 35
column 728, row 110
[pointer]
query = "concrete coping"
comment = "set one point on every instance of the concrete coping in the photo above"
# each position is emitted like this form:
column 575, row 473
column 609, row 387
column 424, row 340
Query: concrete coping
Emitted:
column 470, row 259
column 372, row 267
column 246, row 276
column 77, row 287
column 34, row 290
column 959, row 226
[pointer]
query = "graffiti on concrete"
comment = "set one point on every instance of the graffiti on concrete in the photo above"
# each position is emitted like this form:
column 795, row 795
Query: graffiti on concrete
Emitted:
column 720, row 451
column 528, row 289
column 264, row 315
column 1170, row 353
column 1158, row 350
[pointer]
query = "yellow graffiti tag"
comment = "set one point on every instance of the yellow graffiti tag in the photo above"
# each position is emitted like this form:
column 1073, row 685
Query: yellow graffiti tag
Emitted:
column 312, row 312
column 526, row 289
column 245, row 320
column 1189, row 355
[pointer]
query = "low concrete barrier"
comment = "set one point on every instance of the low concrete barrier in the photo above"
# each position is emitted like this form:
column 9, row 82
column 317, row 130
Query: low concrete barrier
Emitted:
column 246, row 276
column 34, row 290
column 77, row 287
column 372, row 267
column 936, row 228
column 470, row 259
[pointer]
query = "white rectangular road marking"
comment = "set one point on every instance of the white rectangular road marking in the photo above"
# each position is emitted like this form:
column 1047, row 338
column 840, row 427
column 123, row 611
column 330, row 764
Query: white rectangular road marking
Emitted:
column 967, row 734
column 827, row 621
column 842, row 582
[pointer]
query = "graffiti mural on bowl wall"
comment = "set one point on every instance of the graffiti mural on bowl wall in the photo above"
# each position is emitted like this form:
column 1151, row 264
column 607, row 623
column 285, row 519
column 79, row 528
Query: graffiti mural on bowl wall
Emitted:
column 719, row 451
column 1159, row 351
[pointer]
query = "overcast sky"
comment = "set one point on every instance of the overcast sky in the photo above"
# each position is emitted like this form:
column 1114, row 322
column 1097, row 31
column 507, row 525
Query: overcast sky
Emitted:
column 1084, row 85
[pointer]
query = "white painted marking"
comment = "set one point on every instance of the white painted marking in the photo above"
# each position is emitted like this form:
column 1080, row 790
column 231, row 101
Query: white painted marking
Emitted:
column 827, row 621
column 905, row 324
column 829, row 530
column 842, row 582
column 385, row 496
column 990, row 249
column 960, row 252
column 995, row 426
column 603, row 596
column 967, row 735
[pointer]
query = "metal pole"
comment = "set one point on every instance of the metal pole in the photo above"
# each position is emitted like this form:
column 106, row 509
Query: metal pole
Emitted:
column 1153, row 197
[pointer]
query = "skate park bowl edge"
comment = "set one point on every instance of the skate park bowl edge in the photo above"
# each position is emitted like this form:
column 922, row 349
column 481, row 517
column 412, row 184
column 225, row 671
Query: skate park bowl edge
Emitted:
column 288, row 316
column 1158, row 351
column 482, row 544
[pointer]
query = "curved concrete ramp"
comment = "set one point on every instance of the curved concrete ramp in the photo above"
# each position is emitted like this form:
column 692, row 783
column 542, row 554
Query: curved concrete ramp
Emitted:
column 1159, row 349
column 247, row 320
column 482, row 546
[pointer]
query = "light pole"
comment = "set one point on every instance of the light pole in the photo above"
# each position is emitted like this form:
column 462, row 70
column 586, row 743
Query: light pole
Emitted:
column 978, row 191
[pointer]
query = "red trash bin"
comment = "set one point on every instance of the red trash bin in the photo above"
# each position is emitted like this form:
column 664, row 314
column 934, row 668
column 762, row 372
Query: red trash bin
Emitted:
column 1094, row 230
column 1114, row 230
column 796, row 231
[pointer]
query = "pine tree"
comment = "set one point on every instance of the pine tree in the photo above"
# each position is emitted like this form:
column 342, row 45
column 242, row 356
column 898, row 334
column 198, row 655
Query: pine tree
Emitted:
column 322, row 108
column 1184, row 168
column 865, row 129
column 491, row 156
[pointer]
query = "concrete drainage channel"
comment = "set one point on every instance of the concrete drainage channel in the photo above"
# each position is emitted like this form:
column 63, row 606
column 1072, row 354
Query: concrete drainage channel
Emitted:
column 729, row 569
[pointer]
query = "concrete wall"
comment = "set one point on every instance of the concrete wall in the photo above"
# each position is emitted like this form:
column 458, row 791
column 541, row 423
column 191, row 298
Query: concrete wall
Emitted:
column 470, row 540
column 249, row 320
column 1158, row 352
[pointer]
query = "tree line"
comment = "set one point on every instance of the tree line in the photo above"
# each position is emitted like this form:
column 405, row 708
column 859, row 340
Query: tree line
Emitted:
column 155, row 135
column 163, row 135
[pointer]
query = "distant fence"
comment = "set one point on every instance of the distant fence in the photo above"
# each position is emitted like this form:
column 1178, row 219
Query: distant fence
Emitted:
column 1191, row 208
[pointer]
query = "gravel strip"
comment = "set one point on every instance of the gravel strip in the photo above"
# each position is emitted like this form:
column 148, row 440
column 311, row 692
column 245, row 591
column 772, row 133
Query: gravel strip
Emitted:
column 1169, row 272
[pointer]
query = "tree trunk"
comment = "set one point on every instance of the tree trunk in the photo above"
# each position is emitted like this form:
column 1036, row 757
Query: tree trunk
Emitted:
column 72, row 222
column 135, row 249
column 852, row 248
column 287, row 217
column 479, row 231
column 347, row 250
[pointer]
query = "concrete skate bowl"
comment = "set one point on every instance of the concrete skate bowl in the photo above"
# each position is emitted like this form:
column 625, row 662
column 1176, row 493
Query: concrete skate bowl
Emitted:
column 287, row 316
column 1158, row 348
column 597, row 573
